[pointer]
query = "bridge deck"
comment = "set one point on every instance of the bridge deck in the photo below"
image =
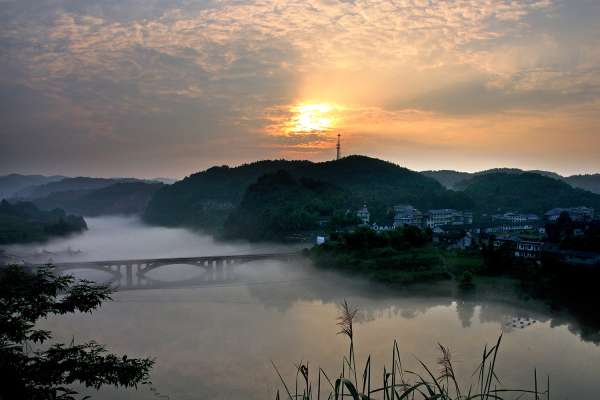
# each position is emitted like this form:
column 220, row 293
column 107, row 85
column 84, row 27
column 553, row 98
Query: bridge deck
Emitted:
column 178, row 260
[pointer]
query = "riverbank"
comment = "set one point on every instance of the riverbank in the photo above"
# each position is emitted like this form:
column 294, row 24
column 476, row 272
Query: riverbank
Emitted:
column 396, row 257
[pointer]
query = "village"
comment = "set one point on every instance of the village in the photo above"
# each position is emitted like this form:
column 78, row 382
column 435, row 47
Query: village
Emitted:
column 523, row 235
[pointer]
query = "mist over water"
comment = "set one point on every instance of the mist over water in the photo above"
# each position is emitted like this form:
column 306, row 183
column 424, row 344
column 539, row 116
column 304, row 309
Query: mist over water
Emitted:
column 216, row 340
column 119, row 238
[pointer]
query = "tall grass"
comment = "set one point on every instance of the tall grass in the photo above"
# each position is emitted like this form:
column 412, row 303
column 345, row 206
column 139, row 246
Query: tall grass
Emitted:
column 396, row 383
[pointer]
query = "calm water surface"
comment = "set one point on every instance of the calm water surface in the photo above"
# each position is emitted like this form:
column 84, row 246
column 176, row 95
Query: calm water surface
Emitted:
column 217, row 341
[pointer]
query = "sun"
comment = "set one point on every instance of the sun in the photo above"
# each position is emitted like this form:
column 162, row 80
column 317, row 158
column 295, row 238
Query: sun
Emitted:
column 312, row 117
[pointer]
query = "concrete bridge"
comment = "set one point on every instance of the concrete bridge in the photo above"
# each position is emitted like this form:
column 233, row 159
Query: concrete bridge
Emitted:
column 132, row 274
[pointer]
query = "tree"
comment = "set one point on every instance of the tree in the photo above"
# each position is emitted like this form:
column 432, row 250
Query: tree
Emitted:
column 26, row 297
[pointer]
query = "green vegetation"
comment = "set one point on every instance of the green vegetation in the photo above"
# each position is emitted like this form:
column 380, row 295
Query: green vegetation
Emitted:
column 526, row 192
column 213, row 199
column 400, row 256
column 278, row 205
column 460, row 180
column 398, row 383
column 30, row 371
column 23, row 222
column 206, row 199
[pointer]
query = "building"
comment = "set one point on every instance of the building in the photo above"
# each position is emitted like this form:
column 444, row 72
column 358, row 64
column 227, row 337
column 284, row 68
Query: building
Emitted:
column 407, row 215
column 512, row 221
column 447, row 217
column 521, row 248
column 578, row 214
column 363, row 215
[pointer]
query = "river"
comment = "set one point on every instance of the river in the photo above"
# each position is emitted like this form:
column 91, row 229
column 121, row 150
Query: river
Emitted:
column 217, row 341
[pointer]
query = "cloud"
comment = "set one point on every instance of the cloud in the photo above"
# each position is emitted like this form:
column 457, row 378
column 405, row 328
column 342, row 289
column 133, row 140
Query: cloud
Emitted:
column 186, row 78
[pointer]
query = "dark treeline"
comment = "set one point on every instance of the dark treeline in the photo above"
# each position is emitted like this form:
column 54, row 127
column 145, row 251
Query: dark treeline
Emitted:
column 23, row 222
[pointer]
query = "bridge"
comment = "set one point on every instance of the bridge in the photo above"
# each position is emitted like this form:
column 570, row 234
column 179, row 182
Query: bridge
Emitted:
column 132, row 274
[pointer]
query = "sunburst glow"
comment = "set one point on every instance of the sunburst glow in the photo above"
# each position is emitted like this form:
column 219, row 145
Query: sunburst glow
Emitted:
column 313, row 117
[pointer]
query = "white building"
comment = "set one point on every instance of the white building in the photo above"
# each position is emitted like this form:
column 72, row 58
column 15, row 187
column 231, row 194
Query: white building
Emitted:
column 407, row 215
column 446, row 217
column 363, row 215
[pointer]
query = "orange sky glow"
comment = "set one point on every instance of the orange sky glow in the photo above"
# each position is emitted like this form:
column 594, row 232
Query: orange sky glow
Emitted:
column 177, row 87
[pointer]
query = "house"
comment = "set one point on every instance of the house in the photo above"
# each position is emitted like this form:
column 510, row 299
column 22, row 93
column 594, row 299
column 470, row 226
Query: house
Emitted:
column 407, row 215
column 363, row 215
column 578, row 214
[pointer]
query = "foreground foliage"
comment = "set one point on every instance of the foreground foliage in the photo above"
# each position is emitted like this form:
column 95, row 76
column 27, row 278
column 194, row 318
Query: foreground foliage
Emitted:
column 400, row 384
column 26, row 373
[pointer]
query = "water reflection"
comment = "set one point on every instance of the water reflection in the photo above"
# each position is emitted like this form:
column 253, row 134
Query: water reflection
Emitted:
column 216, row 341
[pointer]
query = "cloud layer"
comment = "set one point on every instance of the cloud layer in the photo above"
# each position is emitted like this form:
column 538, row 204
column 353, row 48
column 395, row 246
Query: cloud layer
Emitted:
column 168, row 87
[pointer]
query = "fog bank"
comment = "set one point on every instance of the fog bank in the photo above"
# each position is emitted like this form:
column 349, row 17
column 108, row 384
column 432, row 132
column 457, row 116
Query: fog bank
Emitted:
column 112, row 238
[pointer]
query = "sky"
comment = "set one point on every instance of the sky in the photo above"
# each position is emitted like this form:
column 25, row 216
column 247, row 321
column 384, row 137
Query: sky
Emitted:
column 154, row 88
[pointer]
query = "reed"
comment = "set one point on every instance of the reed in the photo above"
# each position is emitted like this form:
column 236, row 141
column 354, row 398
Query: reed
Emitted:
column 396, row 383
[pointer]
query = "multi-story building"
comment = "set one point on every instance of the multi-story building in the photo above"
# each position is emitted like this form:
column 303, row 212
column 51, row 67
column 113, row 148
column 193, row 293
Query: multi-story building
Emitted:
column 407, row 215
column 512, row 221
column 579, row 214
column 522, row 248
column 447, row 217
column 364, row 215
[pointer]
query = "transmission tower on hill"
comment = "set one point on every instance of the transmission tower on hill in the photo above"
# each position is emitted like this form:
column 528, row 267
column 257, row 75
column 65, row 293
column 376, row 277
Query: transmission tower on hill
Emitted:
column 338, row 147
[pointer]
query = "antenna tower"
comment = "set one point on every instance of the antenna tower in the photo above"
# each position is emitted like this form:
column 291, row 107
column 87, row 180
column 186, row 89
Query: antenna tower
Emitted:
column 338, row 148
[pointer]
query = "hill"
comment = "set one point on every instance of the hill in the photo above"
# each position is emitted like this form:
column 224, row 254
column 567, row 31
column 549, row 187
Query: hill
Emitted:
column 121, row 198
column 457, row 180
column 206, row 199
column 589, row 182
column 448, row 178
column 67, row 185
column 23, row 222
column 278, row 205
column 526, row 192
column 11, row 184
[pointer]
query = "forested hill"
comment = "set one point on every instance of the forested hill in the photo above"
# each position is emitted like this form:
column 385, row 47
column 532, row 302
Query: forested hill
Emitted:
column 206, row 199
column 122, row 198
column 460, row 180
column 525, row 192
column 23, row 222
column 278, row 205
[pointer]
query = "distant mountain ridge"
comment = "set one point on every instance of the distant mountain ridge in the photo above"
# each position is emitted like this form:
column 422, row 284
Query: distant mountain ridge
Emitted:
column 66, row 185
column 121, row 198
column 457, row 180
column 12, row 183
column 88, row 196
column 525, row 192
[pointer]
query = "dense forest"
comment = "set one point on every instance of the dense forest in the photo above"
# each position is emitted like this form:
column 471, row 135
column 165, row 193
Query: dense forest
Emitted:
column 278, row 205
column 23, row 222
